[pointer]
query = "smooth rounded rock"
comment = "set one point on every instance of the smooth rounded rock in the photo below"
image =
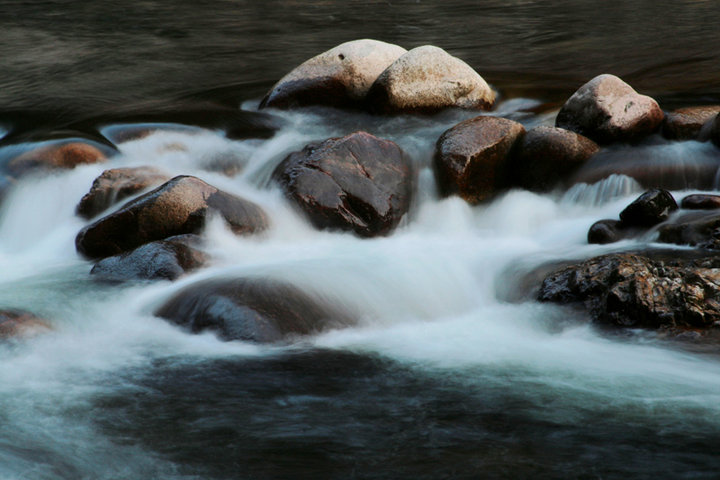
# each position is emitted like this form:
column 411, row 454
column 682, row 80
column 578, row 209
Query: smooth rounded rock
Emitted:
column 686, row 123
column 700, row 201
column 162, row 260
column 357, row 183
column 605, row 231
column 547, row 156
column 250, row 309
column 115, row 185
column 650, row 208
column 181, row 205
column 65, row 155
column 428, row 79
column 715, row 130
column 471, row 158
column 18, row 323
column 606, row 109
column 339, row 77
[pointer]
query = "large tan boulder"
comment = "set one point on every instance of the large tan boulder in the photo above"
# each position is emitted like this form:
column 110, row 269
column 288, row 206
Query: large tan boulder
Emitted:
column 428, row 79
column 606, row 109
column 177, row 207
column 115, row 185
column 339, row 77
column 357, row 183
column 472, row 157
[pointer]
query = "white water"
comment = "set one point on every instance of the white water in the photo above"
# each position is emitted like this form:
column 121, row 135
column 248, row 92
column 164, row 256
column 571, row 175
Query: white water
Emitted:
column 427, row 297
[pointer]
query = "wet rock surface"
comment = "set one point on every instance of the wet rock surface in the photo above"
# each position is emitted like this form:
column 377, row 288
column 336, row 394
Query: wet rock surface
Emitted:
column 606, row 109
column 700, row 201
column 428, row 79
column 115, row 185
column 686, row 123
column 357, row 183
column 162, row 260
column 177, row 207
column 472, row 157
column 548, row 156
column 250, row 309
column 20, row 324
column 63, row 155
column 610, row 231
column 650, row 208
column 699, row 229
column 339, row 77
column 637, row 290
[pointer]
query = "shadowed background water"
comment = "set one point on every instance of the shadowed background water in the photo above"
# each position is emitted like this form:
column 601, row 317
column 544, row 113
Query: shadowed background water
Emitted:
column 73, row 55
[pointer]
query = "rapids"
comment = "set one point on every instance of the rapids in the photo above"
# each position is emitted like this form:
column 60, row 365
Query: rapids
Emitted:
column 444, row 376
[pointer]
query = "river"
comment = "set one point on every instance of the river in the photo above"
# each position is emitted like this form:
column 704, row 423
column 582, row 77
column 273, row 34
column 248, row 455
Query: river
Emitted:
column 454, row 371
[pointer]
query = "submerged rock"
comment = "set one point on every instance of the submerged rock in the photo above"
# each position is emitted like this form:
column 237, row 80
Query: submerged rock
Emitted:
column 700, row 201
column 65, row 155
column 18, row 323
column 339, row 77
column 471, row 158
column 547, row 156
column 358, row 183
column 686, row 123
column 177, row 207
column 610, row 231
column 162, row 260
column 649, row 209
column 428, row 79
column 701, row 229
column 715, row 130
column 115, row 185
column 632, row 290
column 250, row 309
column 606, row 109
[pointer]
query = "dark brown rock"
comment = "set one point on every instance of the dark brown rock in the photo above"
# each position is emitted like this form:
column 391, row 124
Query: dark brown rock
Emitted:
column 115, row 185
column 162, row 260
column 17, row 323
column 607, row 231
column 701, row 229
column 250, row 309
column 686, row 123
column 700, row 201
column 639, row 291
column 715, row 131
column 606, row 109
column 64, row 155
column 339, row 77
column 357, row 183
column 471, row 158
column 428, row 79
column 177, row 207
column 548, row 156
column 650, row 208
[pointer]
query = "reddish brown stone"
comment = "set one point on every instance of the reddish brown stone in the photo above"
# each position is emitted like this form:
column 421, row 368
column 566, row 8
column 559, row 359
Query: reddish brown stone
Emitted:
column 686, row 123
column 56, row 156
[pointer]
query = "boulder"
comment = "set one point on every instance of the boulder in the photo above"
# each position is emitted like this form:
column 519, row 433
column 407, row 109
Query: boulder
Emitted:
column 686, row 123
column 428, row 79
column 649, row 209
column 161, row 260
column 339, row 77
column 17, row 323
column 471, row 158
column 63, row 155
column 609, row 231
column 357, row 183
column 250, row 309
column 179, row 206
column 700, row 201
column 606, row 109
column 547, row 156
column 700, row 229
column 634, row 290
column 715, row 130
column 115, row 185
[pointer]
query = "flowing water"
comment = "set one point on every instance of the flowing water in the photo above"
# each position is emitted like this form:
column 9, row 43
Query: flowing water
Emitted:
column 453, row 371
